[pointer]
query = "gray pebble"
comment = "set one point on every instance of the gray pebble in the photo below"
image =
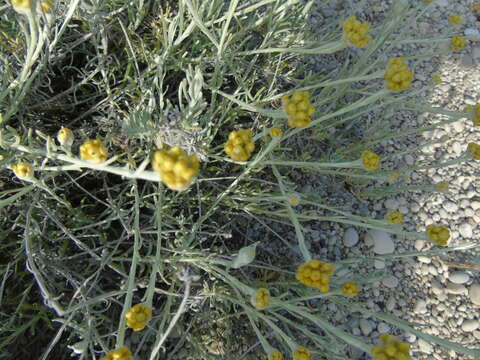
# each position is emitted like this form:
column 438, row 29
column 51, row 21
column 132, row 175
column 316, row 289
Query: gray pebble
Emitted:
column 350, row 238
column 465, row 230
column 455, row 289
column 420, row 307
column 470, row 325
column 474, row 294
column 366, row 327
column 459, row 277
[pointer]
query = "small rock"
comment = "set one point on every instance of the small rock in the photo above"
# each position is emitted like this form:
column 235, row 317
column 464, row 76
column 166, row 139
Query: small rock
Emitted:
column 409, row 160
column 474, row 294
column 465, row 230
column 391, row 282
column 455, row 289
column 383, row 328
column 471, row 32
column 424, row 346
column 437, row 287
column 424, row 259
column 419, row 244
column 379, row 264
column 382, row 241
column 459, row 277
column 467, row 61
column 391, row 204
column 476, row 53
column 366, row 327
column 470, row 325
column 390, row 304
column 450, row 206
column 420, row 307
column 350, row 238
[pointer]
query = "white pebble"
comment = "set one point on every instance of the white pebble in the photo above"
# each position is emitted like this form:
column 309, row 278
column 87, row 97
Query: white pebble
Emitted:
column 350, row 238
column 465, row 230
column 366, row 327
column 474, row 294
column 420, row 307
column 459, row 277
column 470, row 325
column 382, row 241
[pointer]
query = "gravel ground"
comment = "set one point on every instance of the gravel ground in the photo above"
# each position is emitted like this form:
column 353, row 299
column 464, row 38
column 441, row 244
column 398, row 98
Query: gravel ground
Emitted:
column 440, row 292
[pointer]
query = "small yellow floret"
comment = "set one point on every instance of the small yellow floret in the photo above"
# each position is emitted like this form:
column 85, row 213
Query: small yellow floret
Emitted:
column 122, row 353
column 293, row 200
column 455, row 19
column 315, row 274
column 398, row 76
column 21, row 4
column 474, row 150
column 275, row 355
column 391, row 348
column 350, row 289
column 138, row 317
column 458, row 43
column 298, row 108
column 394, row 217
column 65, row 136
column 93, row 151
column 240, row 145
column 177, row 169
column 46, row 5
column 261, row 298
column 439, row 234
column 437, row 79
column 356, row 32
column 301, row 354
column 393, row 176
column 275, row 132
column 370, row 160
column 23, row 170
column 476, row 115
column 442, row 186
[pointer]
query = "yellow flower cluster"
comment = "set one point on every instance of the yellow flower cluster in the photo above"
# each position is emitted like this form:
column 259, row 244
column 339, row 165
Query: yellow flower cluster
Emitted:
column 138, row 317
column 25, row 6
column 65, row 136
column 370, row 160
column 439, row 234
column 442, row 186
column 455, row 19
column 261, row 298
column 240, row 145
column 315, row 274
column 476, row 115
column 394, row 217
column 458, row 43
column 298, row 108
column 177, row 169
column 474, row 150
column 398, row 76
column 301, row 354
column 23, row 170
column 356, row 32
column 350, row 289
column 122, row 353
column 46, row 5
column 437, row 79
column 93, row 151
column 275, row 132
column 391, row 349
column 275, row 355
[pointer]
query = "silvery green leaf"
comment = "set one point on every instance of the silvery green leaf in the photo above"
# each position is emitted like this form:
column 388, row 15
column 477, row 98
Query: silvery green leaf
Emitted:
column 245, row 256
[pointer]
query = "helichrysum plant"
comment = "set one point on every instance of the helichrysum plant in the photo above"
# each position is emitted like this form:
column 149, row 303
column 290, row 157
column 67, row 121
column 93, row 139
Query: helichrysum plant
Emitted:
column 350, row 289
column 391, row 348
column 93, row 151
column 138, row 317
column 458, row 43
column 438, row 234
column 370, row 160
column 298, row 108
column 398, row 76
column 65, row 137
column 474, row 150
column 177, row 169
column 23, row 170
column 301, row 353
column 261, row 298
column 316, row 274
column 275, row 355
column 394, row 217
column 122, row 353
column 356, row 32
column 240, row 145
column 455, row 19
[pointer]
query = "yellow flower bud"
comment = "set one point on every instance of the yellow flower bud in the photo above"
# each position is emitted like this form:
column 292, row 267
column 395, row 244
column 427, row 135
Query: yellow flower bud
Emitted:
column 398, row 77
column 370, row 160
column 138, row 317
column 65, row 137
column 23, row 170
column 22, row 6
column 475, row 114
column 437, row 79
column 458, row 43
column 393, row 176
column 301, row 353
column 93, row 151
column 474, row 150
column 442, row 186
column 439, row 234
column 391, row 348
column 275, row 355
column 315, row 274
column 240, row 145
column 293, row 200
column 394, row 217
column 455, row 19
column 350, row 289
column 177, row 169
column 356, row 32
column 275, row 132
column 122, row 353
column 298, row 108
column 261, row 298
column 46, row 5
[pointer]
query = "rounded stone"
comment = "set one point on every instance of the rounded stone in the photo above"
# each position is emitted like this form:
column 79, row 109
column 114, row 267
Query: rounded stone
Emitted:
column 459, row 277
column 350, row 238
column 470, row 325
column 455, row 289
column 474, row 294
column 390, row 282
column 420, row 307
column 382, row 242
column 465, row 230
column 366, row 327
